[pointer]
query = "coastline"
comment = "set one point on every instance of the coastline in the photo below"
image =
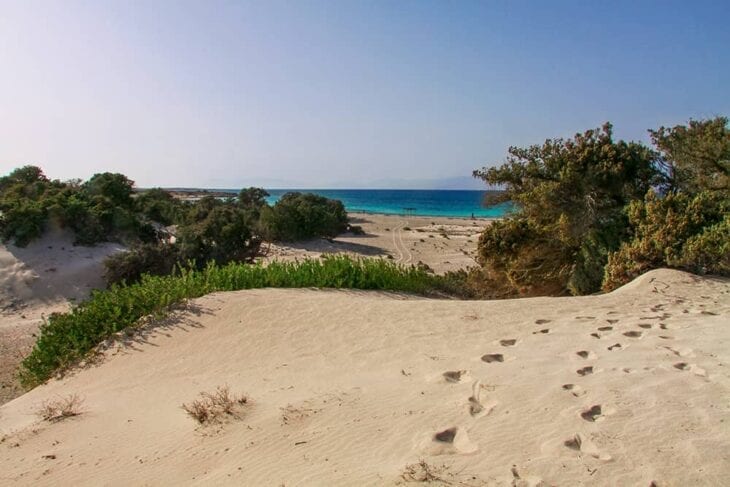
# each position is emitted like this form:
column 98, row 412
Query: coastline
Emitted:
column 396, row 202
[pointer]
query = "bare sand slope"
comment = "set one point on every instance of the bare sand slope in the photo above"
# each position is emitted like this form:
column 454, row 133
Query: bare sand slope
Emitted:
column 35, row 281
column 355, row 388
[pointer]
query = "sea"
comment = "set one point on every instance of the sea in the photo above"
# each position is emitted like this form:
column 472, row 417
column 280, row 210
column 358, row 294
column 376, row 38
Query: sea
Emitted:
column 444, row 203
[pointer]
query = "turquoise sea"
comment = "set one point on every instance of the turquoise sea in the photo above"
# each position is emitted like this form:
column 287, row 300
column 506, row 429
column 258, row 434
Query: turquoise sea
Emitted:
column 454, row 203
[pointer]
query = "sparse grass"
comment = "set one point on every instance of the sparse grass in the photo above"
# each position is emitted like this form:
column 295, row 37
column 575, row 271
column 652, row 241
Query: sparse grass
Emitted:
column 424, row 473
column 61, row 408
column 67, row 338
column 213, row 407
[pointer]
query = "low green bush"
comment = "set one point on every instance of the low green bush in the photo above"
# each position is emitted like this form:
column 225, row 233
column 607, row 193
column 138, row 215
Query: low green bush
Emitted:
column 679, row 230
column 299, row 216
column 67, row 338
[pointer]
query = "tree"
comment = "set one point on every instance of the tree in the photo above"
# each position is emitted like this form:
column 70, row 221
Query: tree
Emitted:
column 299, row 216
column 116, row 187
column 695, row 157
column 569, row 196
column 252, row 197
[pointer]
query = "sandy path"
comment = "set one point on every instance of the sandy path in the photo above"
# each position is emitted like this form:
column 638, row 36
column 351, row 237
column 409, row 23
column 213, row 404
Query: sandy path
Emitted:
column 354, row 388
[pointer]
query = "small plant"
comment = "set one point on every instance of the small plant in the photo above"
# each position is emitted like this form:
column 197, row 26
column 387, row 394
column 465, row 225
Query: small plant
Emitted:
column 213, row 407
column 407, row 228
column 423, row 472
column 61, row 408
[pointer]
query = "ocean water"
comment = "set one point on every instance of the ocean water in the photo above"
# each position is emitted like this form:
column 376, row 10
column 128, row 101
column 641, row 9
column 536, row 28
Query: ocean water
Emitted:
column 446, row 203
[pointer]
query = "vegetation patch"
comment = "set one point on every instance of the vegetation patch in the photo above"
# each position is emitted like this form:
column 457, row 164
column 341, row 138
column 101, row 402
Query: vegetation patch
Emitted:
column 214, row 407
column 61, row 408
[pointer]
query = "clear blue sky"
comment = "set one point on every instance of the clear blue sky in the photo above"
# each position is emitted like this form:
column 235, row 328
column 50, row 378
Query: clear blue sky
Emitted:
column 341, row 93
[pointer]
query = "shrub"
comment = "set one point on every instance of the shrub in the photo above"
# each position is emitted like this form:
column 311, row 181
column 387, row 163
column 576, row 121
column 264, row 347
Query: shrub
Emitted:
column 569, row 196
column 61, row 408
column 298, row 216
column 220, row 233
column 155, row 259
column 678, row 230
column 159, row 206
column 215, row 406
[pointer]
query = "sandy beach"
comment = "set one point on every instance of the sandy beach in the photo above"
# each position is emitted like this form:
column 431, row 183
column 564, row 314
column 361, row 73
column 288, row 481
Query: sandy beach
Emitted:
column 367, row 388
column 443, row 244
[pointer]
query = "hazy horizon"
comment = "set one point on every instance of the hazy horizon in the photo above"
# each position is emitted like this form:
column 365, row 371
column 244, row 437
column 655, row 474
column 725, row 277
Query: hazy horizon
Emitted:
column 350, row 95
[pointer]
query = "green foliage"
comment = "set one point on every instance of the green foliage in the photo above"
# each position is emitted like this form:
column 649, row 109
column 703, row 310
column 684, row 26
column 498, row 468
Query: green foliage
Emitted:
column 252, row 198
column 66, row 338
column 159, row 206
column 569, row 196
column 680, row 230
column 114, row 187
column 98, row 210
column 151, row 258
column 220, row 232
column 695, row 157
column 299, row 216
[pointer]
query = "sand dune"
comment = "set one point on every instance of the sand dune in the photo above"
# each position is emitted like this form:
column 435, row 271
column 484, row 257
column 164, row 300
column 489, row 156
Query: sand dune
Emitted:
column 357, row 388
column 35, row 281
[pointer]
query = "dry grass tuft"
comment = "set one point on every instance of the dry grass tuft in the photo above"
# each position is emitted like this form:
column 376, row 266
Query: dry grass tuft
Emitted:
column 212, row 407
column 61, row 408
column 423, row 472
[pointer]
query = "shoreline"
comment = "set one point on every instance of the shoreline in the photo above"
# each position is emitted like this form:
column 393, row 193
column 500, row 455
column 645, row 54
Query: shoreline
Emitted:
column 478, row 212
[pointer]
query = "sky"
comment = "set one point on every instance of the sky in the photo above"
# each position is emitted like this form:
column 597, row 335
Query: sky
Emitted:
column 346, row 94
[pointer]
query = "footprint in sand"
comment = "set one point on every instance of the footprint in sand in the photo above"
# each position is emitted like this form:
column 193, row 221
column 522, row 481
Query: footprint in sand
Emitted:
column 455, row 376
column 615, row 346
column 476, row 407
column 634, row 334
column 666, row 337
column 585, row 317
column 542, row 321
column 583, row 444
column 596, row 335
column 585, row 354
column 508, row 342
column 663, row 326
column 692, row 368
column 592, row 414
column 450, row 441
column 493, row 357
column 543, row 331
column 613, row 321
column 584, row 371
column 574, row 389
column 605, row 328
column 645, row 326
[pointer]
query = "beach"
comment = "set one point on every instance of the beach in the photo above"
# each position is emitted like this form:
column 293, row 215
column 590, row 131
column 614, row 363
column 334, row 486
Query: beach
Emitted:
column 371, row 388
column 442, row 243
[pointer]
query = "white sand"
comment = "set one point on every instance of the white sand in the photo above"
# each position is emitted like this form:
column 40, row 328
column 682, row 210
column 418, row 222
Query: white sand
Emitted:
column 444, row 244
column 347, row 388
column 35, row 281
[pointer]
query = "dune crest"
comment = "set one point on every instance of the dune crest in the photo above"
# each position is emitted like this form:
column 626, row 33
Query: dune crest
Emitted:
column 359, row 388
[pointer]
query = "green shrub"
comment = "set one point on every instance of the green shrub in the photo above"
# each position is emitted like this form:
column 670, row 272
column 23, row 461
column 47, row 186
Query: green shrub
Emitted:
column 569, row 196
column 298, row 216
column 678, row 230
column 68, row 337
column 159, row 206
column 152, row 258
